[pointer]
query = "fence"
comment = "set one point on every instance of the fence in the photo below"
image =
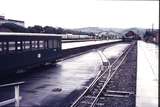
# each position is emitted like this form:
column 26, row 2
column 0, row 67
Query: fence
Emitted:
column 16, row 98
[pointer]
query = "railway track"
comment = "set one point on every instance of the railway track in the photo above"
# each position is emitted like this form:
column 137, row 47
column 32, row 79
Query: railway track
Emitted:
column 92, row 94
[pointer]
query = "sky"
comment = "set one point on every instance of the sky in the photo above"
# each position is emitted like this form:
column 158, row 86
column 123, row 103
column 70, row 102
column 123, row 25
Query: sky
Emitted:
column 83, row 13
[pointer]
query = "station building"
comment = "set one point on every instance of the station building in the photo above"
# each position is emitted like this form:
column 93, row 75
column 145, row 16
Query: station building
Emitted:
column 17, row 22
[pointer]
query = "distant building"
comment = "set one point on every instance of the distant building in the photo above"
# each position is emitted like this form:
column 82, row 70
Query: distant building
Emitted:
column 130, row 33
column 108, row 35
column 133, row 35
column 154, row 36
column 17, row 22
column 1, row 17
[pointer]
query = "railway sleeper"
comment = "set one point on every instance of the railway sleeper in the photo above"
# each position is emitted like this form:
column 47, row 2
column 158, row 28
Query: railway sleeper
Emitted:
column 115, row 95
column 95, row 93
column 89, row 96
column 99, row 86
column 100, row 83
column 100, row 104
column 94, row 89
column 102, row 98
column 110, row 93
column 86, row 102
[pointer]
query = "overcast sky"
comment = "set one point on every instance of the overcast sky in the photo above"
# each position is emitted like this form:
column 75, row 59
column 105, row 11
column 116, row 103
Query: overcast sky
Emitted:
column 82, row 13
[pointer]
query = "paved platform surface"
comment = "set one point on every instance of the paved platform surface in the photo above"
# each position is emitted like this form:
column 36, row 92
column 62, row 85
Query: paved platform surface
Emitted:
column 81, row 44
column 147, row 75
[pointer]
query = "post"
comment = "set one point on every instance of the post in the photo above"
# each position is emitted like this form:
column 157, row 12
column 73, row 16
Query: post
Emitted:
column 17, row 95
column 109, row 71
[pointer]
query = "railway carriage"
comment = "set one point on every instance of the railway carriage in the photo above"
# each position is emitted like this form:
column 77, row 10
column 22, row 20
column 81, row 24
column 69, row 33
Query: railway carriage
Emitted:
column 130, row 36
column 18, row 50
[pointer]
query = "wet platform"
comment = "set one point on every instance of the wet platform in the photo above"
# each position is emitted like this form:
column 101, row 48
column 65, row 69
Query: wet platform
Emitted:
column 147, row 75
column 59, row 85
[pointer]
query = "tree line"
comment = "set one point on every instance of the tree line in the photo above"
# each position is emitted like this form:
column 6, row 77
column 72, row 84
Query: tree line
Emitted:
column 39, row 29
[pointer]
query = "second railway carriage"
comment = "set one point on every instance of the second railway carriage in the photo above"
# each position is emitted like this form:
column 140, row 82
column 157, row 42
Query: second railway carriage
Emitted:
column 130, row 36
column 18, row 50
column 75, row 37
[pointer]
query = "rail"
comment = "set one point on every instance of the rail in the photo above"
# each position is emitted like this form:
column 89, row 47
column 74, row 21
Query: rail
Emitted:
column 92, row 93
column 16, row 98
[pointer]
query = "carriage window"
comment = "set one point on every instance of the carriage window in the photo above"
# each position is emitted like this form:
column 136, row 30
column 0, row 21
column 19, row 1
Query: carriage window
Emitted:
column 41, row 44
column 50, row 43
column 36, row 44
column 4, row 46
column 27, row 44
column 18, row 45
column 18, row 42
column 33, row 44
column 11, row 46
column 18, row 48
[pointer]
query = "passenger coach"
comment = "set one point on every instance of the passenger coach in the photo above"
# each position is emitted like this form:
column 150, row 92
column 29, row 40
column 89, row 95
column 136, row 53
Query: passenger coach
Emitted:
column 18, row 50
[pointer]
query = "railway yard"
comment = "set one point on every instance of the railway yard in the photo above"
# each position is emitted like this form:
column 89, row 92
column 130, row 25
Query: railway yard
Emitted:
column 84, row 80
column 79, row 53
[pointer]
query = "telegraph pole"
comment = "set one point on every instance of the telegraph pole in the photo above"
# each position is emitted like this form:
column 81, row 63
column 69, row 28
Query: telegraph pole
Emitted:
column 152, row 28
